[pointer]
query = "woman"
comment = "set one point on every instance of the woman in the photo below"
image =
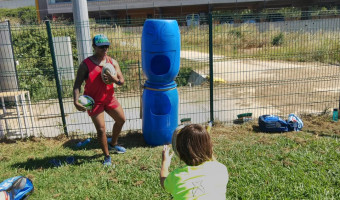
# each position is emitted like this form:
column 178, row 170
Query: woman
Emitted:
column 102, row 91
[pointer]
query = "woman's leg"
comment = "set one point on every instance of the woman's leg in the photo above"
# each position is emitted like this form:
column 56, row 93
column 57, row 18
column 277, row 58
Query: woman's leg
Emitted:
column 99, row 123
column 118, row 115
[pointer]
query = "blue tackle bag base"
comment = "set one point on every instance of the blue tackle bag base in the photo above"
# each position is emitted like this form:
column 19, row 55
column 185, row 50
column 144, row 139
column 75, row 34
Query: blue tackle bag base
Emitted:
column 18, row 187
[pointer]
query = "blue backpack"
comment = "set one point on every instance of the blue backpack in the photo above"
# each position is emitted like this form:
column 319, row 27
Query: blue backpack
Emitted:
column 274, row 124
column 18, row 188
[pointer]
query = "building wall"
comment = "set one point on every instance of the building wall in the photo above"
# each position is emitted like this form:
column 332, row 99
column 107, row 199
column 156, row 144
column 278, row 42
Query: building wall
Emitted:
column 123, row 14
column 16, row 3
column 131, row 9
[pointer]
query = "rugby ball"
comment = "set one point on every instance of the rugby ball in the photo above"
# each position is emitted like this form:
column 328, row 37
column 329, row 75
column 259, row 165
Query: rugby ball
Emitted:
column 108, row 67
column 86, row 101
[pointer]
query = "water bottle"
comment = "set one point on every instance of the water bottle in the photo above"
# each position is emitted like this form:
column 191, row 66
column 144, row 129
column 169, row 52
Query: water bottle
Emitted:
column 81, row 144
column 335, row 114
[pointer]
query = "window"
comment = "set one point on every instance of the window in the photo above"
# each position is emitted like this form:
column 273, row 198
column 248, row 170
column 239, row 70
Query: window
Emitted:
column 68, row 1
column 59, row 1
column 193, row 19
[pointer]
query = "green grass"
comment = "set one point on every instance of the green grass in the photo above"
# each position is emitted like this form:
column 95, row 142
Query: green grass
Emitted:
column 294, row 165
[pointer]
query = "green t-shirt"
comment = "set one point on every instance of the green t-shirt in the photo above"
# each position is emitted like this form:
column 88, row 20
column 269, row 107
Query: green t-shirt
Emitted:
column 206, row 181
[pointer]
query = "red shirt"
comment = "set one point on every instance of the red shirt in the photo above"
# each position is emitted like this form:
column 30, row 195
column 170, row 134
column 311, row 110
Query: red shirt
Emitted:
column 95, row 86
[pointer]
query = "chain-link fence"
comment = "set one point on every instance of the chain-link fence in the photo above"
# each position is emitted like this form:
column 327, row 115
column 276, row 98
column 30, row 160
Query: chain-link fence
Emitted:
column 230, row 65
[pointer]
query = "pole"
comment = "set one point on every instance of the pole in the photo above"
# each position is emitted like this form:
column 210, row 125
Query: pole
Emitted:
column 54, row 62
column 38, row 10
column 81, row 21
column 211, row 69
column 141, row 92
column 8, row 74
column 12, row 48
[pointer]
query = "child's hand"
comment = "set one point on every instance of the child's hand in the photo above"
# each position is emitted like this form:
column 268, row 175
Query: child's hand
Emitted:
column 166, row 160
column 166, row 157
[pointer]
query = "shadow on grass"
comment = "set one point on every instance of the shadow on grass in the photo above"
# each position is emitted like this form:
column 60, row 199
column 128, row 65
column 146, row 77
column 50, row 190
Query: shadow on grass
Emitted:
column 7, row 141
column 47, row 162
column 131, row 139
column 318, row 134
column 256, row 129
column 330, row 136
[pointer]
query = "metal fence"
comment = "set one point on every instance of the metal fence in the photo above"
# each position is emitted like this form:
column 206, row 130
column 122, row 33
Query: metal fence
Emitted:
column 229, row 66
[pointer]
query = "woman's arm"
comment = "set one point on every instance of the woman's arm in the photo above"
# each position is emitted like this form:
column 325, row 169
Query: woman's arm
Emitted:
column 166, row 161
column 81, row 76
column 119, row 72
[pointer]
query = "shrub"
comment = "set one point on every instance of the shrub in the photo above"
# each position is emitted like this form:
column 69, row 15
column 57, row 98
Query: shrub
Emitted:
column 183, row 76
column 278, row 39
column 236, row 33
column 33, row 53
column 24, row 14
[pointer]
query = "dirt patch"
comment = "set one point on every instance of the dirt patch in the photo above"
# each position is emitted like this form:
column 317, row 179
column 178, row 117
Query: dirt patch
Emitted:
column 322, row 125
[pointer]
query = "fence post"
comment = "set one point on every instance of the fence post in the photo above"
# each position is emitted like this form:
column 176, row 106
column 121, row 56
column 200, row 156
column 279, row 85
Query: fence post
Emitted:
column 211, row 69
column 50, row 42
column 12, row 48
column 140, row 91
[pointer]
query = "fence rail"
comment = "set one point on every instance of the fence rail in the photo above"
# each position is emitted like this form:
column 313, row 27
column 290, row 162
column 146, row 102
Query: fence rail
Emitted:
column 227, row 68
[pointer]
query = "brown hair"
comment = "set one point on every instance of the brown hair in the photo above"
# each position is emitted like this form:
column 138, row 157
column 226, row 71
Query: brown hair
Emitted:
column 193, row 145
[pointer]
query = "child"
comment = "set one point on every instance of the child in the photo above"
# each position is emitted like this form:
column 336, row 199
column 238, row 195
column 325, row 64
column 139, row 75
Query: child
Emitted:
column 202, row 177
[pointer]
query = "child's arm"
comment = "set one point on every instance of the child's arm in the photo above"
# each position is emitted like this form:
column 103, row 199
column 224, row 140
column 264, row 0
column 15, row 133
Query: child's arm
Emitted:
column 166, row 160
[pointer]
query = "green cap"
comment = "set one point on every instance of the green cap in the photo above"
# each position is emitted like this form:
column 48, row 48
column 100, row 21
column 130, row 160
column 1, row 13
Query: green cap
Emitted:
column 100, row 40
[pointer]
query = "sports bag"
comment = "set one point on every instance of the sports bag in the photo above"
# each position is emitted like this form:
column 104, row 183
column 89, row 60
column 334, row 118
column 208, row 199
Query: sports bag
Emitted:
column 294, row 122
column 272, row 124
column 18, row 188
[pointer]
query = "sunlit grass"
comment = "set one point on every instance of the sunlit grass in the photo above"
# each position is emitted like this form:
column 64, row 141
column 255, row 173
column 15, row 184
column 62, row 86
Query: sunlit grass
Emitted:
column 294, row 165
